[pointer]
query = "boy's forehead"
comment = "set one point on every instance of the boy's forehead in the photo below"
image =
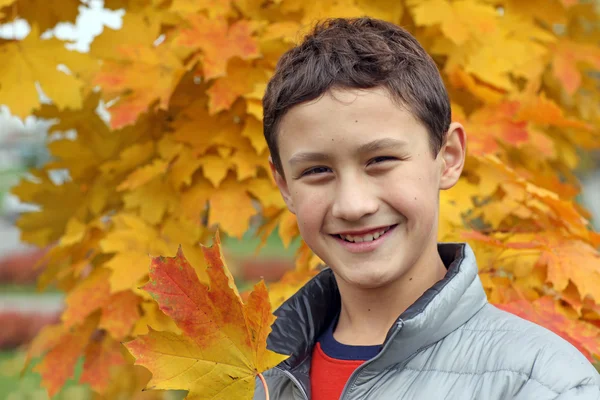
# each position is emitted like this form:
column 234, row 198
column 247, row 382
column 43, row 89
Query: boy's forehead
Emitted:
column 339, row 105
column 339, row 97
column 358, row 120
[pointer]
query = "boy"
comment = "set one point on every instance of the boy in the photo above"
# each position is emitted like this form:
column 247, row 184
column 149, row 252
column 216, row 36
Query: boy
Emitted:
column 357, row 120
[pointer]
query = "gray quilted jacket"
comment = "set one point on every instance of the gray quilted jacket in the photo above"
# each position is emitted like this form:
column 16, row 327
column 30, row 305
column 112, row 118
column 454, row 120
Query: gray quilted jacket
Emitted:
column 450, row 344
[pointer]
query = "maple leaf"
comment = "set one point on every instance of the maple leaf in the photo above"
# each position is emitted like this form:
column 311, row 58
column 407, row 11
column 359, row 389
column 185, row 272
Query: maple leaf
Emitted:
column 196, row 127
column 218, row 42
column 547, row 313
column 22, row 68
column 58, row 364
column 572, row 260
column 215, row 8
column 543, row 111
column 153, row 317
column 87, row 297
column 46, row 226
column 324, row 9
column 459, row 20
column 152, row 200
column 131, row 240
column 139, row 28
column 241, row 79
column 45, row 14
column 119, row 314
column 143, row 175
column 121, row 79
column 566, row 55
column 100, row 358
column 4, row 9
column 231, row 207
column 254, row 132
column 222, row 347
column 288, row 285
column 492, row 124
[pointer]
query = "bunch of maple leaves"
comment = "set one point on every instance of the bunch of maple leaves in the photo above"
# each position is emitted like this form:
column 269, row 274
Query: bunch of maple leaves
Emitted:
column 184, row 154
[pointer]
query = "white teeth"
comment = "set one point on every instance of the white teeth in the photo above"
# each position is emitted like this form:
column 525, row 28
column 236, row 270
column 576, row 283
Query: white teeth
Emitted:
column 364, row 238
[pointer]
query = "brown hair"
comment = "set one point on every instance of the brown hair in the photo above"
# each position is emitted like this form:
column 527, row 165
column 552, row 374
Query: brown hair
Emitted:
column 359, row 53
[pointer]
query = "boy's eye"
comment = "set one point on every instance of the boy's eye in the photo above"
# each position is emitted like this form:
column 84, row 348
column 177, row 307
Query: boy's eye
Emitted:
column 315, row 170
column 381, row 159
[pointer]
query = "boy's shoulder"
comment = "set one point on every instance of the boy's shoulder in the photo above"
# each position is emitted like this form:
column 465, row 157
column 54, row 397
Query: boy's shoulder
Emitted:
column 511, row 343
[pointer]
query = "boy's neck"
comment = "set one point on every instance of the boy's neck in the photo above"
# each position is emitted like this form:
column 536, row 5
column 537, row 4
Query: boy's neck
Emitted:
column 367, row 314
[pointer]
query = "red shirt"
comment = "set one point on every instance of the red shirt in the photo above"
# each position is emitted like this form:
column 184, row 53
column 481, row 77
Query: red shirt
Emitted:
column 332, row 364
column 328, row 376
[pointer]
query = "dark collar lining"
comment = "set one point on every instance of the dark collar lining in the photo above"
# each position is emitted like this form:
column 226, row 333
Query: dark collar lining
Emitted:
column 340, row 351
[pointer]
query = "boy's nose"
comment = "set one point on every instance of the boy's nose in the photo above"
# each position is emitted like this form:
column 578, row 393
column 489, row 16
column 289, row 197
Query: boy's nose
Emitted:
column 353, row 200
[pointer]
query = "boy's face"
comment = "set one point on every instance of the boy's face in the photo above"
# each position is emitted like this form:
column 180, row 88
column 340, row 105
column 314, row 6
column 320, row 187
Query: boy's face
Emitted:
column 355, row 163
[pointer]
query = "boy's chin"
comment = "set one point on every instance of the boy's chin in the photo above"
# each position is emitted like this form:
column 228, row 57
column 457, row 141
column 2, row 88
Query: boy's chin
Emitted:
column 365, row 280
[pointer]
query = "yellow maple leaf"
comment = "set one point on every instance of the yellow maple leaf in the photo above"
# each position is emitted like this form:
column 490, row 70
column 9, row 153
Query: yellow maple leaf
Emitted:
column 143, row 175
column 247, row 161
column 138, row 28
column 458, row 20
column 153, row 200
column 214, row 8
column 58, row 203
column 22, row 67
column 325, row 9
column 44, row 14
column 215, row 168
column 231, row 207
column 241, row 78
column 131, row 241
column 253, row 130
column 196, row 127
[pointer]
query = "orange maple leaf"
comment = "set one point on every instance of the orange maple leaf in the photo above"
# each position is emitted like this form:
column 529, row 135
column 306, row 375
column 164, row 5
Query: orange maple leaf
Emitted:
column 218, row 42
column 59, row 363
column 137, row 77
column 100, row 358
column 567, row 56
column 546, row 312
column 492, row 124
column 222, row 347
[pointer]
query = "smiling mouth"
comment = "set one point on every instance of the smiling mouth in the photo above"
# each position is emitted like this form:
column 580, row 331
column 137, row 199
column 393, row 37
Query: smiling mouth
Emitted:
column 369, row 237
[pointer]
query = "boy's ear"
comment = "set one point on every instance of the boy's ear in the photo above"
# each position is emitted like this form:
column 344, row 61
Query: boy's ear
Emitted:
column 453, row 155
column 282, row 185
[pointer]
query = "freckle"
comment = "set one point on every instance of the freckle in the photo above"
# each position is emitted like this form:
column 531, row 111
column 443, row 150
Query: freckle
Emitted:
column 355, row 120
column 415, row 198
column 410, row 279
column 369, row 309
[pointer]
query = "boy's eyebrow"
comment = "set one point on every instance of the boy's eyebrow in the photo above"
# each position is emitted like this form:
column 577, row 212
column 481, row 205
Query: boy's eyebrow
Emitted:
column 375, row 145
column 308, row 157
column 381, row 144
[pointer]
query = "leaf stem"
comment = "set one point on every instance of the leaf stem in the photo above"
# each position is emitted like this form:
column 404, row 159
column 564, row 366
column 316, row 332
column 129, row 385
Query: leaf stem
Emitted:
column 262, row 379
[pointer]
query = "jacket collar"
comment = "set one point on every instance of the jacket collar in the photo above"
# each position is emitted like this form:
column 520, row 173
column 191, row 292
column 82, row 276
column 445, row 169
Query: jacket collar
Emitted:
column 443, row 308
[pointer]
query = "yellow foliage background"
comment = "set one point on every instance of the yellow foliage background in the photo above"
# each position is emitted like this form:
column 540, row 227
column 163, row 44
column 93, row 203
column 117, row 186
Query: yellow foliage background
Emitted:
column 184, row 153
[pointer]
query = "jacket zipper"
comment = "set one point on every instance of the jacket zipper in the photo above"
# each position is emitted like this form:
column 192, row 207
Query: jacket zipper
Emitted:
column 295, row 381
column 357, row 371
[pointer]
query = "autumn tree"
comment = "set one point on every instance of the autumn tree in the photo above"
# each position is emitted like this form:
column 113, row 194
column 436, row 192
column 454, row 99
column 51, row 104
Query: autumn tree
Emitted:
column 184, row 154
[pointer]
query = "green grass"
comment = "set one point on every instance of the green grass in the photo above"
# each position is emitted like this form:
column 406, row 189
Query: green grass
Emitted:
column 13, row 387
